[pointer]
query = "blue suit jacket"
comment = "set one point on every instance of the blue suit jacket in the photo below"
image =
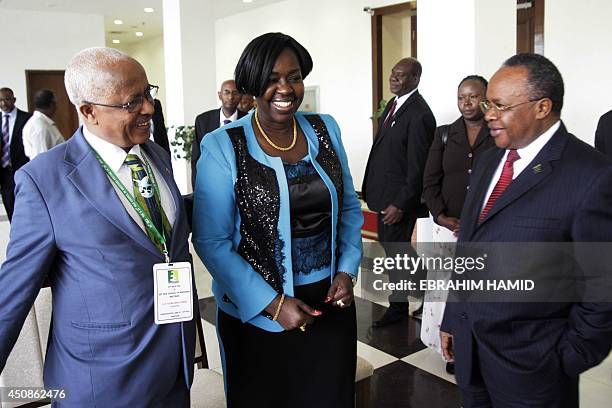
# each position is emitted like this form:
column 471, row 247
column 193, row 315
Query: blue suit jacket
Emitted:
column 528, row 346
column 69, row 224
column 216, row 220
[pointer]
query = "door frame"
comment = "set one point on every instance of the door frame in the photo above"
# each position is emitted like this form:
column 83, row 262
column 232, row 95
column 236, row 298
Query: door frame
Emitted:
column 377, row 58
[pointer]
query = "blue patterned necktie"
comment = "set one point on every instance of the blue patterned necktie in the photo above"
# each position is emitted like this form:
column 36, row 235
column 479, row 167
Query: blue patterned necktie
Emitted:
column 148, row 197
column 5, row 159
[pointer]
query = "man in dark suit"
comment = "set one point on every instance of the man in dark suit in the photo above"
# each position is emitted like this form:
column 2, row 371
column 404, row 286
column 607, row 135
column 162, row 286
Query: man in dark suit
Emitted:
column 208, row 121
column 12, row 154
column 603, row 134
column 540, row 185
column 160, row 134
column 393, row 179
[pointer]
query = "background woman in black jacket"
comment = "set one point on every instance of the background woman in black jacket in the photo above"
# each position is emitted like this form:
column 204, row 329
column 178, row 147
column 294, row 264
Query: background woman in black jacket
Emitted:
column 453, row 153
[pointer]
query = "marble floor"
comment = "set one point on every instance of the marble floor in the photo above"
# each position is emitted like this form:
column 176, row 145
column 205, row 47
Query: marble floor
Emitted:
column 406, row 373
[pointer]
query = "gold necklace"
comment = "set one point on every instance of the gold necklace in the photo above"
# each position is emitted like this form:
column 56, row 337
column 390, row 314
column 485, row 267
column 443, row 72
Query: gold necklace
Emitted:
column 282, row 149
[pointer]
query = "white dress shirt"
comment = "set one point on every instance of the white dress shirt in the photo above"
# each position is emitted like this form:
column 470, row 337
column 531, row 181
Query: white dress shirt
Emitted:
column 12, row 118
column 115, row 156
column 40, row 134
column 399, row 102
column 222, row 117
column 526, row 154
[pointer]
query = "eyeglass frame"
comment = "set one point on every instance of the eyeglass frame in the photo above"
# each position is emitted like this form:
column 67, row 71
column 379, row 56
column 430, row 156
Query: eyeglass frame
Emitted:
column 148, row 94
column 501, row 108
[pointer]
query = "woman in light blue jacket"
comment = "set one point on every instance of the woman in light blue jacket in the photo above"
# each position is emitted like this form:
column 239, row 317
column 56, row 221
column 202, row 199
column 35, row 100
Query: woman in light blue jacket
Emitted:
column 277, row 223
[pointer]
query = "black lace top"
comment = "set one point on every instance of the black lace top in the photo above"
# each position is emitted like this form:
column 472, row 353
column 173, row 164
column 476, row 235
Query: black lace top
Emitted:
column 310, row 223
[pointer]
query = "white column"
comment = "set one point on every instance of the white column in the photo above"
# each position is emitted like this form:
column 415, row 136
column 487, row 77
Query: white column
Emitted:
column 189, row 57
column 457, row 38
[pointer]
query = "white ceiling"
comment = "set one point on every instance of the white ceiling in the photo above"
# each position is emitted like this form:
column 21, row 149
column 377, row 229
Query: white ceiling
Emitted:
column 130, row 11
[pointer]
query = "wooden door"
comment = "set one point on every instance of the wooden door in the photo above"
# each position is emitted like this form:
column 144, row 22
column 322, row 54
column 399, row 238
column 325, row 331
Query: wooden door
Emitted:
column 530, row 26
column 66, row 117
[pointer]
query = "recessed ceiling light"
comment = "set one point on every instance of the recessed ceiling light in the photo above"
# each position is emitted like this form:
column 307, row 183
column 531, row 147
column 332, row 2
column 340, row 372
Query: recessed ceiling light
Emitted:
column 116, row 42
column 118, row 22
column 139, row 33
column 148, row 10
column 247, row 1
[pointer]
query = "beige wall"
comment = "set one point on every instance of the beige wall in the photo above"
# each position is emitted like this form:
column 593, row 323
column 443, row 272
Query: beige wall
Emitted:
column 150, row 53
column 396, row 44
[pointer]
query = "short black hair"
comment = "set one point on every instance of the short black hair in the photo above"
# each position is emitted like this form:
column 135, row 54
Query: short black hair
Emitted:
column 476, row 78
column 258, row 58
column 5, row 89
column 543, row 78
column 417, row 68
column 43, row 99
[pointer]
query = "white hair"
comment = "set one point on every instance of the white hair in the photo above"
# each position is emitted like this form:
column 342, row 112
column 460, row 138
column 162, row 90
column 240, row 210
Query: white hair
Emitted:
column 88, row 76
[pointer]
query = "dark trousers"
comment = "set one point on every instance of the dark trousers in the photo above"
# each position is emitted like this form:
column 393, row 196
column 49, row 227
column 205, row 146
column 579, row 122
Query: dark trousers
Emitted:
column 7, row 189
column 292, row 369
column 483, row 393
column 395, row 239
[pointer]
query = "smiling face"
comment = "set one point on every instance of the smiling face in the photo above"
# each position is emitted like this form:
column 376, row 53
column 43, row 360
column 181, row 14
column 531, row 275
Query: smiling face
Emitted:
column 117, row 125
column 519, row 125
column 7, row 101
column 284, row 91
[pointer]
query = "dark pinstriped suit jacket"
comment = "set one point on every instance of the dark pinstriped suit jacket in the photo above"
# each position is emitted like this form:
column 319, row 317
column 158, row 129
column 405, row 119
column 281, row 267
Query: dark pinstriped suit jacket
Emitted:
column 567, row 198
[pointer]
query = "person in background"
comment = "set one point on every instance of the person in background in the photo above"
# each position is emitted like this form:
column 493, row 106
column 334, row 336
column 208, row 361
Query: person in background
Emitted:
column 210, row 120
column 603, row 134
column 393, row 180
column 158, row 127
column 40, row 132
column 451, row 159
column 12, row 154
column 277, row 223
column 247, row 102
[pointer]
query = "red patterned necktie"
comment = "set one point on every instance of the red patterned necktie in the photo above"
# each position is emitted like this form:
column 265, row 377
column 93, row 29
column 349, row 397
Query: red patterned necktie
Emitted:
column 504, row 181
column 390, row 115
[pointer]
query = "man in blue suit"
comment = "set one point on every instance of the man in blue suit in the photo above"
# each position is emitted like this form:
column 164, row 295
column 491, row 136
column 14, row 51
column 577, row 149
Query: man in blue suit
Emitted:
column 97, row 243
column 541, row 184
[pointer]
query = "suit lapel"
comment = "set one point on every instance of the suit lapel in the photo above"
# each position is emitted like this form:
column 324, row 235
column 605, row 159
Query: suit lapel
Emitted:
column 383, row 132
column 537, row 171
column 480, row 188
column 91, row 180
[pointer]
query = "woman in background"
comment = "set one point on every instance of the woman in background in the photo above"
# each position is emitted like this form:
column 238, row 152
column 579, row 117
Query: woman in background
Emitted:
column 277, row 223
column 452, row 155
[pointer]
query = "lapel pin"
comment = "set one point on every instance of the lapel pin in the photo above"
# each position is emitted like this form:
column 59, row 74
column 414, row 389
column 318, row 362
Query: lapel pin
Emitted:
column 537, row 168
column 392, row 123
column 167, row 170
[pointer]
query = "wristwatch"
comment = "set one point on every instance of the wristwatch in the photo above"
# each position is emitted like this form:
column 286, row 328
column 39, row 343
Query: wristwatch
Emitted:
column 350, row 275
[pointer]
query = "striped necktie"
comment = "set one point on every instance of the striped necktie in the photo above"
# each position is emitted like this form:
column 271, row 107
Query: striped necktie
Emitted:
column 5, row 157
column 504, row 181
column 147, row 196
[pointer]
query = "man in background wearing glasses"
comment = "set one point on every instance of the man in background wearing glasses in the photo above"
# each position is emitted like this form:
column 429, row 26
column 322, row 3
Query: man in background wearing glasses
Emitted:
column 95, row 215
column 540, row 185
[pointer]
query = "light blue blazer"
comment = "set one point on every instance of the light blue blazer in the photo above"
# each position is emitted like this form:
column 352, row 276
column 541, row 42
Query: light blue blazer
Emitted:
column 216, row 220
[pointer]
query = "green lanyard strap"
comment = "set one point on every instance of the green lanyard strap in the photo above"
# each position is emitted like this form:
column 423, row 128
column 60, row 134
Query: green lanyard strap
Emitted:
column 149, row 225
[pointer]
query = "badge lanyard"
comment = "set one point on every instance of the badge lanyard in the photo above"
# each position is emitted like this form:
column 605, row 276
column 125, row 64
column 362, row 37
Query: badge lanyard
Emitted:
column 137, row 207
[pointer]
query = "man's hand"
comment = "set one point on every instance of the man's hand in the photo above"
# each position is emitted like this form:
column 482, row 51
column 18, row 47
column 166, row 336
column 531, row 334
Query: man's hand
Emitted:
column 450, row 223
column 446, row 341
column 392, row 215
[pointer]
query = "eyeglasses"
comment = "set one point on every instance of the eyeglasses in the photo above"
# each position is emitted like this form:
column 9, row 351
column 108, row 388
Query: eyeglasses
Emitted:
column 486, row 106
column 135, row 104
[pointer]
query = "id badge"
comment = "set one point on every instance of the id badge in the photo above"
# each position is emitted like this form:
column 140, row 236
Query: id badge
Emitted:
column 173, row 292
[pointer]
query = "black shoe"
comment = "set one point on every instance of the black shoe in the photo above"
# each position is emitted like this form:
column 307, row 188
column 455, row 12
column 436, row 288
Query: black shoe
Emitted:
column 450, row 368
column 390, row 317
column 418, row 313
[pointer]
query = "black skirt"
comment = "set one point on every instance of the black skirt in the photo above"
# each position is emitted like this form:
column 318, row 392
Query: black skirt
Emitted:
column 292, row 369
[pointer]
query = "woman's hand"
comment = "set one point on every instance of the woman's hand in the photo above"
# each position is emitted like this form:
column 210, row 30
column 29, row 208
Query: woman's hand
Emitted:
column 341, row 291
column 293, row 313
column 450, row 223
column 446, row 342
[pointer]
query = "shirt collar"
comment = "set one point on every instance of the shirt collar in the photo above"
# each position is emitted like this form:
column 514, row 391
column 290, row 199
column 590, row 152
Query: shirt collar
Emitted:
column 42, row 116
column 12, row 114
column 231, row 118
column 400, row 100
column 530, row 151
column 112, row 154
